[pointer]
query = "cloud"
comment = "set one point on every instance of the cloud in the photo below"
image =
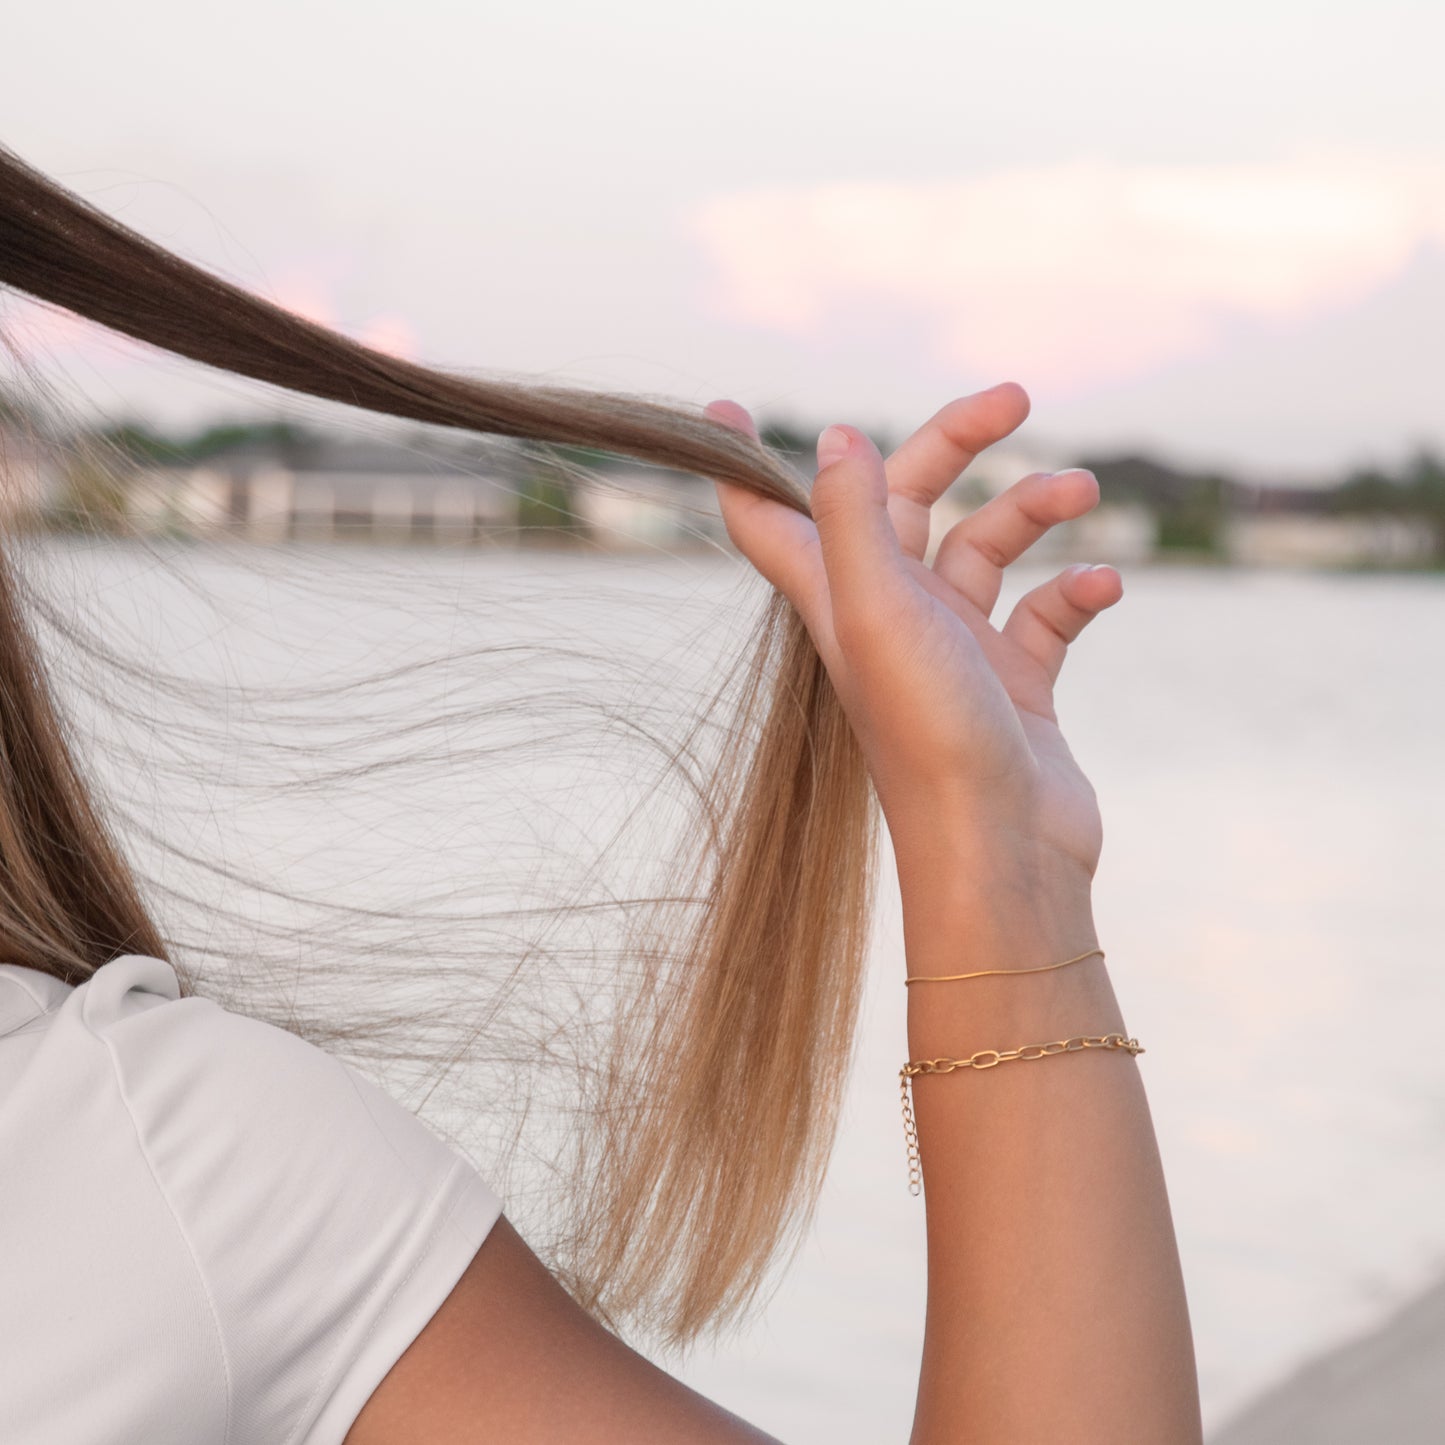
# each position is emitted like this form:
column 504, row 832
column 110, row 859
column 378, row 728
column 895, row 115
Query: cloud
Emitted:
column 311, row 297
column 37, row 333
column 1071, row 277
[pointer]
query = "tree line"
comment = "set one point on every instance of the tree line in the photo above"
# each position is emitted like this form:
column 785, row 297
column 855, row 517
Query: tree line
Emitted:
column 1191, row 507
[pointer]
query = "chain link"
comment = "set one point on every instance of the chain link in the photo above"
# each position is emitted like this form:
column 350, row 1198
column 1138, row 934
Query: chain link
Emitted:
column 988, row 1059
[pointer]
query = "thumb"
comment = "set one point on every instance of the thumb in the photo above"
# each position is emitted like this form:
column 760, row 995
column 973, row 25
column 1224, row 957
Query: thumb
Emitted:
column 849, row 502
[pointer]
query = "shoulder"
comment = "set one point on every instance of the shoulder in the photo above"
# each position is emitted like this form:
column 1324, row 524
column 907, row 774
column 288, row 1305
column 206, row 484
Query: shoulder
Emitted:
column 89, row 1252
column 320, row 1222
column 226, row 1091
column 218, row 1094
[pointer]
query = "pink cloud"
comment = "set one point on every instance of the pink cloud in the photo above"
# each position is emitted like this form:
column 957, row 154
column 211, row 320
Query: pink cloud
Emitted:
column 37, row 332
column 392, row 334
column 1072, row 276
column 313, row 299
column 307, row 298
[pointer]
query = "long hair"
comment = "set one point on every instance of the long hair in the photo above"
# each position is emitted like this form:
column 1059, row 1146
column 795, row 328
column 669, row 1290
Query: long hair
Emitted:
column 720, row 1095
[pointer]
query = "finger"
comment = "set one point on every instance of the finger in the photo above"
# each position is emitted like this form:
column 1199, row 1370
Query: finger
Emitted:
column 930, row 461
column 1046, row 620
column 974, row 552
column 782, row 544
column 729, row 413
column 860, row 549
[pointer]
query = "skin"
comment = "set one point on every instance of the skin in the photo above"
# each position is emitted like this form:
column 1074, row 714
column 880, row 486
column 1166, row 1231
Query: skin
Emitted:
column 1056, row 1309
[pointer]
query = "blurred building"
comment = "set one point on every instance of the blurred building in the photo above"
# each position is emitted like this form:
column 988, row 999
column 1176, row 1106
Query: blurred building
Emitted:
column 325, row 488
column 650, row 509
column 1120, row 533
column 320, row 489
column 1300, row 540
column 275, row 485
column 32, row 472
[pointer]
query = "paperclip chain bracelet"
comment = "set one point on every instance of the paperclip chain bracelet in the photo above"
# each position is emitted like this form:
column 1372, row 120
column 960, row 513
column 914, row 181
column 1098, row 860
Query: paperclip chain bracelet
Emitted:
column 987, row 1059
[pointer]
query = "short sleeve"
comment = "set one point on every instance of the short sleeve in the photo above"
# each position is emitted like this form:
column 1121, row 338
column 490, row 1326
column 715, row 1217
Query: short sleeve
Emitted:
column 326, row 1222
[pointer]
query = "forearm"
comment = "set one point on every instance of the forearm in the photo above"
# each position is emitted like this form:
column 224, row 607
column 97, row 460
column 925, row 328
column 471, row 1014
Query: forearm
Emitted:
column 1056, row 1308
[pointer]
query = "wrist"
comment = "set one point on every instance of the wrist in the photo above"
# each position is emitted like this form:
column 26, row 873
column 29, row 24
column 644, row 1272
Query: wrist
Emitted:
column 1012, row 910
column 954, row 1020
column 1004, row 910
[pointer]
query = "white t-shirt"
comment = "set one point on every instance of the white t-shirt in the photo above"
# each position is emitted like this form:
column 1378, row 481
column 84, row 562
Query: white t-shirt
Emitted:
column 211, row 1232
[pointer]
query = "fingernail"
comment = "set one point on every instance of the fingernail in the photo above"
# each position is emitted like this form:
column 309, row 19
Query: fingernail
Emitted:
column 832, row 445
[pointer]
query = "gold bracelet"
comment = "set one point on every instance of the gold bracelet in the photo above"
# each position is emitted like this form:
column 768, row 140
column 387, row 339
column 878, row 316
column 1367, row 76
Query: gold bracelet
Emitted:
column 987, row 1059
column 989, row 972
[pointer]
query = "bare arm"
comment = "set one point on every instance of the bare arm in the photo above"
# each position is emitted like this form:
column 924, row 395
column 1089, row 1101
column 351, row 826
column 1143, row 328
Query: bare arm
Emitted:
column 510, row 1359
column 1056, row 1308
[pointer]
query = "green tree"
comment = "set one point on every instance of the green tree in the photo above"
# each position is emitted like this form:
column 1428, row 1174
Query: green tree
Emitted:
column 1416, row 494
column 788, row 437
column 93, row 493
column 1190, row 507
column 1424, row 487
column 227, row 436
column 1369, row 492
column 546, row 508
column 1194, row 522
column 137, row 442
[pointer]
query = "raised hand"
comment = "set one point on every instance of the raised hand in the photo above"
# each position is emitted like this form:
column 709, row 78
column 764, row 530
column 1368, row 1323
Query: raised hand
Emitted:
column 955, row 716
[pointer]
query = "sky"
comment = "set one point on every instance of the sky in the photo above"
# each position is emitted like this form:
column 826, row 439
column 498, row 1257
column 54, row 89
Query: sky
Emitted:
column 1218, row 232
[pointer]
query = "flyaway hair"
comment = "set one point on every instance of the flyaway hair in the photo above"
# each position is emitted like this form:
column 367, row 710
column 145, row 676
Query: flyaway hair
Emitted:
column 719, row 1100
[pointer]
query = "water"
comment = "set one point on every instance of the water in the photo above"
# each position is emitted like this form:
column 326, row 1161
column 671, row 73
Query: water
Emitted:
column 1267, row 752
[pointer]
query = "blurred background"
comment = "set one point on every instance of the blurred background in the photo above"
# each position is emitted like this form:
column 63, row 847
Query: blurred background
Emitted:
column 1210, row 243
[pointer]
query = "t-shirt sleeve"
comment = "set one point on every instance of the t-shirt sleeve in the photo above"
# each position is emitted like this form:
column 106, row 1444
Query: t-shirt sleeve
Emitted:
column 327, row 1223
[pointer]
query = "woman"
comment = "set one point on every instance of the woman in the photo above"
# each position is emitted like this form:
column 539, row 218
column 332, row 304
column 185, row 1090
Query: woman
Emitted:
column 215, row 1231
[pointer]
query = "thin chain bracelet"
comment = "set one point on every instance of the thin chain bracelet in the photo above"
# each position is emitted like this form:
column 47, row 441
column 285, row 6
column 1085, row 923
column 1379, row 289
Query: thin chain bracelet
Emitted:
column 987, row 1059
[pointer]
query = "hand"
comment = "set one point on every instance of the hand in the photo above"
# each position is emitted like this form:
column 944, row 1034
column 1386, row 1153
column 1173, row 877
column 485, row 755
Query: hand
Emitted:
column 955, row 716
